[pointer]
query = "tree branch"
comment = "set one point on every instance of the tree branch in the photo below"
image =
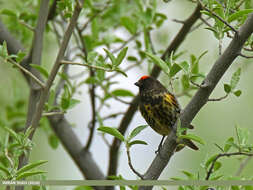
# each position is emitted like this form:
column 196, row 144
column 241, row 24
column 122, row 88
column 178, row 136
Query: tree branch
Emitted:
column 224, row 155
column 54, row 71
column 218, row 17
column 130, row 163
column 60, row 125
column 35, row 54
column 113, row 159
column 201, row 97
column 41, row 84
column 74, row 147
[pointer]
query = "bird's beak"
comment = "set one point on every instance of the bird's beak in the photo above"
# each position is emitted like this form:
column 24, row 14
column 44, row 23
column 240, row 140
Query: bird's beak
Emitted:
column 137, row 84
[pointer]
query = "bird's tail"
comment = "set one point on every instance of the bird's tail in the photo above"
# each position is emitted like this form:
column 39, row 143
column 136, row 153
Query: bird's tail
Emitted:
column 186, row 142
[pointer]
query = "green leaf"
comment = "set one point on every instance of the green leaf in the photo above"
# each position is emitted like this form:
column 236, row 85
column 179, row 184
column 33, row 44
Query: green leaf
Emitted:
column 42, row 70
column 137, row 142
column 158, row 61
column 5, row 170
column 195, row 62
column 192, row 137
column 20, row 56
column 30, row 166
column 12, row 133
column 217, row 166
column 188, row 174
column 185, row 82
column 227, row 88
column 111, row 56
column 228, row 144
column 91, row 57
column 136, row 131
column 185, row 66
column 8, row 12
column 129, row 24
column 3, row 50
column 120, row 57
column 53, row 141
column 238, row 14
column 235, row 78
column 73, row 102
column 121, row 72
column 247, row 187
column 242, row 135
column 235, row 187
column 216, row 177
column 122, row 93
column 238, row 93
column 91, row 80
column 65, row 77
column 27, row 174
column 112, row 131
column 174, row 70
column 132, row 58
column 65, row 102
column 210, row 160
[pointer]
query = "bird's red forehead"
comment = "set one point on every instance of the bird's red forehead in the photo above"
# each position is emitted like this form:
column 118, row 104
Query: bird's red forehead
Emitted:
column 144, row 77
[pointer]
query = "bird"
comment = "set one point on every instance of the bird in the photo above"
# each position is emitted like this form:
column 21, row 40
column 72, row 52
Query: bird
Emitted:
column 160, row 109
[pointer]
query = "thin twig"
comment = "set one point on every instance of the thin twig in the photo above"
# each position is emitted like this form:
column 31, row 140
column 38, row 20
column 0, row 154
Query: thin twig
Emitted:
column 95, row 15
column 126, row 42
column 130, row 163
column 220, row 46
column 196, row 84
column 124, row 70
column 224, row 155
column 27, row 25
column 53, row 113
column 57, row 34
column 113, row 115
column 28, row 73
column 115, row 97
column 243, row 164
column 9, row 158
column 106, row 141
column 178, row 21
column 217, row 99
column 55, row 69
column 92, row 124
column 85, row 65
column 205, row 21
column 217, row 16
column 245, row 56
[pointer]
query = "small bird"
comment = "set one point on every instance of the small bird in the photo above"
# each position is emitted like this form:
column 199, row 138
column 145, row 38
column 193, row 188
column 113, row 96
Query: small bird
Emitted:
column 159, row 108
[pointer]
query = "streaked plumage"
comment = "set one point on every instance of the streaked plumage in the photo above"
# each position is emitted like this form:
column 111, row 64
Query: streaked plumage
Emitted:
column 159, row 107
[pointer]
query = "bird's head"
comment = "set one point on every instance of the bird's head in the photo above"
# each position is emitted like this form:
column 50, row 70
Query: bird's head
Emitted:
column 146, row 83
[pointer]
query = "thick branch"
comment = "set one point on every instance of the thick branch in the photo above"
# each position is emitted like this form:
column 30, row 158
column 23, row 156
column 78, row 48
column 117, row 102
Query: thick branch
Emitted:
column 225, row 155
column 35, row 55
column 13, row 45
column 113, row 162
column 91, row 172
column 74, row 147
column 54, row 71
column 201, row 97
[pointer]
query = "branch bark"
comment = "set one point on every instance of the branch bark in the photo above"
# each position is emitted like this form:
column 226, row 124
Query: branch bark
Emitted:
column 201, row 97
column 58, row 123
column 35, row 54
column 177, row 41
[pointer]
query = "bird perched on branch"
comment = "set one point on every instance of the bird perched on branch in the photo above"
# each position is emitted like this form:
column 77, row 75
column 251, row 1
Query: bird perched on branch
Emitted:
column 159, row 108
